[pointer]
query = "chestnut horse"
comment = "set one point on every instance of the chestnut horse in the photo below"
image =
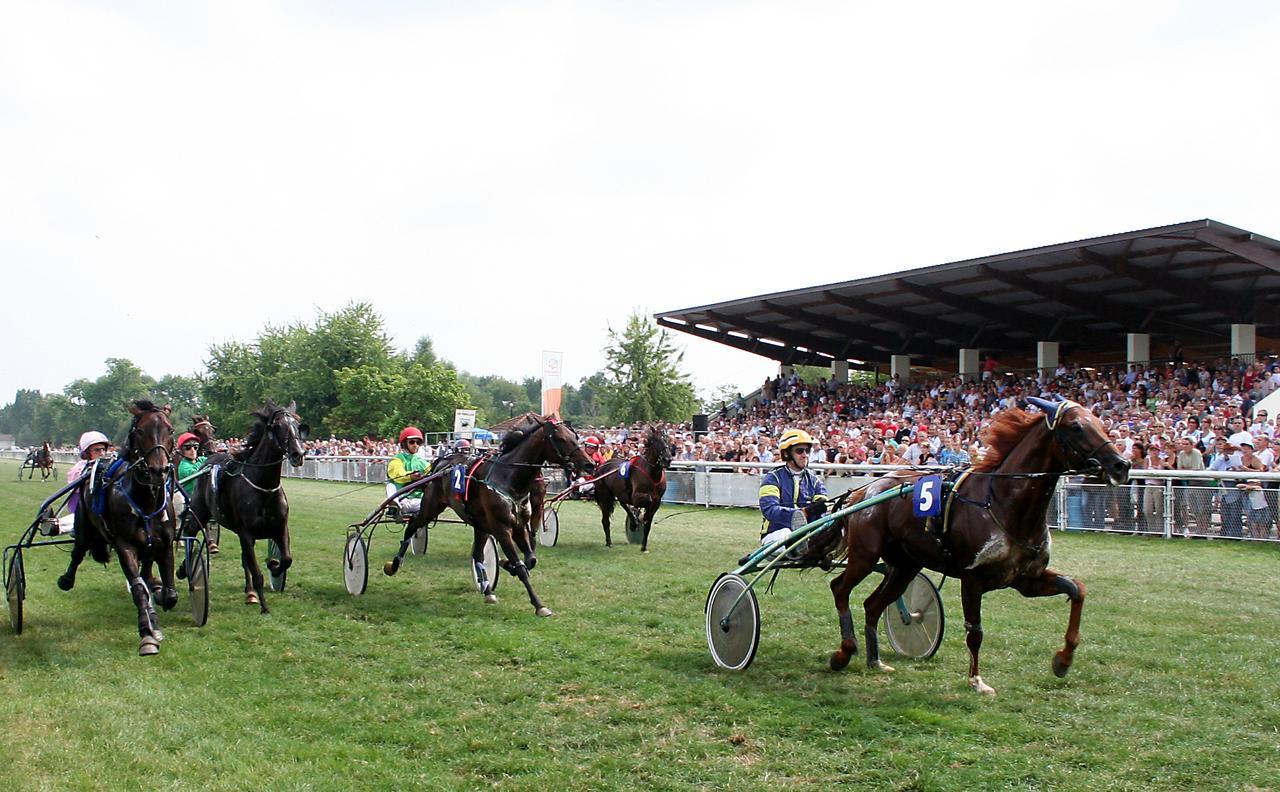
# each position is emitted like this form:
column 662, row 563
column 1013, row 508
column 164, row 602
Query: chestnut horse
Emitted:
column 993, row 533
column 244, row 493
column 128, row 510
column 206, row 431
column 38, row 459
column 493, row 496
column 637, row 483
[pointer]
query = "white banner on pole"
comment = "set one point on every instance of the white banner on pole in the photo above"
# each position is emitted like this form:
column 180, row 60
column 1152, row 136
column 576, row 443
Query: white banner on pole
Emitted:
column 552, row 381
column 464, row 422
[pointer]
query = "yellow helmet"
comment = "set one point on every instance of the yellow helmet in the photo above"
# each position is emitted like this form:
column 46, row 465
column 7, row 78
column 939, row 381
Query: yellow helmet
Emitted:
column 793, row 437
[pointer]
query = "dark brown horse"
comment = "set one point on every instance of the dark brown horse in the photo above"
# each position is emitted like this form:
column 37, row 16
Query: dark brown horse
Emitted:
column 637, row 483
column 128, row 510
column 38, row 459
column 243, row 492
column 493, row 495
column 993, row 533
column 202, row 428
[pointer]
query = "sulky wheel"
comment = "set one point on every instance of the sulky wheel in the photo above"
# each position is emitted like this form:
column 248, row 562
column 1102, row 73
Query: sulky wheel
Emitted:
column 549, row 534
column 733, row 631
column 635, row 531
column 914, row 623
column 355, row 565
column 198, row 579
column 278, row 576
column 15, row 587
column 419, row 542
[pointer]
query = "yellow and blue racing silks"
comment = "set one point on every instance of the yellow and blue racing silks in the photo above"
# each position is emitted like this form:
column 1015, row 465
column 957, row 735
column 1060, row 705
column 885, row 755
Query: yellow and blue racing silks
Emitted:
column 783, row 493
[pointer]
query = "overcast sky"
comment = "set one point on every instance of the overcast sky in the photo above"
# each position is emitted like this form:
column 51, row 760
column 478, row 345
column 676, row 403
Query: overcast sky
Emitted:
column 513, row 177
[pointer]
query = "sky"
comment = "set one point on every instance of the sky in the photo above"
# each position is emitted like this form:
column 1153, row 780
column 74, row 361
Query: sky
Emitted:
column 512, row 177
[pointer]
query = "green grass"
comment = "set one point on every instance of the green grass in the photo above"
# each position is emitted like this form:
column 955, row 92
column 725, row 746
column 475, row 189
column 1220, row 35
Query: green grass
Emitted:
column 419, row 684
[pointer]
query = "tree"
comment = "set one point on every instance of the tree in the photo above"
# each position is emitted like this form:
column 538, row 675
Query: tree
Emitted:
column 644, row 381
column 103, row 400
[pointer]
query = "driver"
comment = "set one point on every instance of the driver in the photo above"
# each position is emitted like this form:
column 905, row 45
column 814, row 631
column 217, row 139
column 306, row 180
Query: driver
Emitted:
column 790, row 495
column 189, row 463
column 408, row 466
column 93, row 445
column 592, row 446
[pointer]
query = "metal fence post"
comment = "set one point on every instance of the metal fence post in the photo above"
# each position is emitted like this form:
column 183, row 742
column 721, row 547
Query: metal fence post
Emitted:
column 1064, row 519
column 1168, row 508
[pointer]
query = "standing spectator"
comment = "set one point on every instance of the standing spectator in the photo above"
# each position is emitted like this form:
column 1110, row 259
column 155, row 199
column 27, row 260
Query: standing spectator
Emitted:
column 1191, row 501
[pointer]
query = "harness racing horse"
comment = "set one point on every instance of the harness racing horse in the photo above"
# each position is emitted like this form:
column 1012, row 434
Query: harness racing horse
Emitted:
column 38, row 459
column 243, row 492
column 637, row 483
column 493, row 495
column 206, row 431
column 992, row 534
column 128, row 510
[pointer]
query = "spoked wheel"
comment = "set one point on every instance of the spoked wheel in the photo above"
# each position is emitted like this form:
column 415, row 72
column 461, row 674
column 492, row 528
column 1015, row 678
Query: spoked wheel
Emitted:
column 549, row 534
column 278, row 576
column 197, row 562
column 733, row 631
column 914, row 623
column 635, row 531
column 491, row 568
column 419, row 542
column 15, row 587
column 355, row 564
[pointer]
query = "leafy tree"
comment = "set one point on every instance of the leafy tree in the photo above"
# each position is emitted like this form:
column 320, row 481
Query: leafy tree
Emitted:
column 582, row 403
column 103, row 400
column 644, row 381
column 720, row 397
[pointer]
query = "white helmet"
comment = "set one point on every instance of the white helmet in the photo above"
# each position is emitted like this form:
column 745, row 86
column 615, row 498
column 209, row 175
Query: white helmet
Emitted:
column 91, row 439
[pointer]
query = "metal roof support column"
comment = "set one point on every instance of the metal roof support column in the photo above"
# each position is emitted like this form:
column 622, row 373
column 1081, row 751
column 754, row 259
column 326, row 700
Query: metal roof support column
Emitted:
column 1046, row 358
column 969, row 365
column 1139, row 348
column 1243, row 340
column 840, row 370
column 900, row 367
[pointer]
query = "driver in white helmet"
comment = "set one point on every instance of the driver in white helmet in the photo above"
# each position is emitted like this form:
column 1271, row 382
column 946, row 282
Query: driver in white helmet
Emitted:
column 93, row 446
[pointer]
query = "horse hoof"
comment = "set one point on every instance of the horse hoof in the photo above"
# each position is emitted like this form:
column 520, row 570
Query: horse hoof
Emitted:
column 158, row 633
column 66, row 583
column 838, row 661
column 530, row 563
column 979, row 686
column 491, row 599
column 148, row 646
column 644, row 550
column 213, row 547
column 880, row 666
column 544, row 611
column 1060, row 665
column 391, row 567
column 251, row 598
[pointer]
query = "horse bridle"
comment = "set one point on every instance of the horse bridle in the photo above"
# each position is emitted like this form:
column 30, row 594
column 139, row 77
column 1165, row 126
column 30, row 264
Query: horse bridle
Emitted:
column 147, row 479
column 1090, row 459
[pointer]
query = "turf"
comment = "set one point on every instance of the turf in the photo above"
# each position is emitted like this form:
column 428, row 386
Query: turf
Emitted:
column 419, row 684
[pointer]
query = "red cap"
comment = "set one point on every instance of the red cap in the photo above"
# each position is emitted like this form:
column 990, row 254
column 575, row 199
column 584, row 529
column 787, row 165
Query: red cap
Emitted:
column 408, row 432
column 185, row 438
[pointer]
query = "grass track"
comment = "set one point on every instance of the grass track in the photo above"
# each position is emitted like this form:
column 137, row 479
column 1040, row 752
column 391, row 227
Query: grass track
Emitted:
column 419, row 684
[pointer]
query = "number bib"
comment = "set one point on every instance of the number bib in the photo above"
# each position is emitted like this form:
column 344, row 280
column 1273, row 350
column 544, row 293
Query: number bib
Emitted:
column 458, row 478
column 926, row 497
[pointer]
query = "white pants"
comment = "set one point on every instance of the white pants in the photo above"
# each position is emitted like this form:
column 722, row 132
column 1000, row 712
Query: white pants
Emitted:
column 775, row 536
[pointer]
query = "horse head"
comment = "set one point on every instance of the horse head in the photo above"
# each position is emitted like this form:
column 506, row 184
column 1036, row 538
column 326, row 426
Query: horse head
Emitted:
column 1082, row 438
column 204, row 429
column 562, row 447
column 656, row 448
column 150, row 440
column 284, row 428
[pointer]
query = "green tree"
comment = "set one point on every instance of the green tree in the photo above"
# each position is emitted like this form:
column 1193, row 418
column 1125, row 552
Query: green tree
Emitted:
column 644, row 381
column 103, row 400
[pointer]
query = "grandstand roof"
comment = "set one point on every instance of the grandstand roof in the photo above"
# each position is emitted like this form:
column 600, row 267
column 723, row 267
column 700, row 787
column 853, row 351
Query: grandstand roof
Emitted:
column 1190, row 280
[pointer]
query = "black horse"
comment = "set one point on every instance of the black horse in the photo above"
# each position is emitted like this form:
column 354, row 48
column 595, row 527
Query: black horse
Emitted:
column 493, row 495
column 637, row 483
column 38, row 459
column 243, row 492
column 128, row 509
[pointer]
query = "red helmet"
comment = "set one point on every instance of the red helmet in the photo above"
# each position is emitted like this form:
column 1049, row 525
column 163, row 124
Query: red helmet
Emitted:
column 408, row 432
column 187, row 437
column 592, row 441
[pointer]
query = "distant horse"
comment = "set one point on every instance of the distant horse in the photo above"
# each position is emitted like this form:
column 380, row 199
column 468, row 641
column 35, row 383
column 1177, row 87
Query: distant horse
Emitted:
column 637, row 483
column 493, row 495
column 243, row 492
column 992, row 534
column 128, row 510
column 38, row 459
column 206, row 431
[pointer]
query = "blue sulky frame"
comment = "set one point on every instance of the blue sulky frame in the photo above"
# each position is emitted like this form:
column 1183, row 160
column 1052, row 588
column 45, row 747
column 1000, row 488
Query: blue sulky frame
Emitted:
column 914, row 627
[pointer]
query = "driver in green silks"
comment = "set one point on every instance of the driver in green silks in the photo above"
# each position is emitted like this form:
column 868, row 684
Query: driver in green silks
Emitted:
column 190, row 463
column 406, row 467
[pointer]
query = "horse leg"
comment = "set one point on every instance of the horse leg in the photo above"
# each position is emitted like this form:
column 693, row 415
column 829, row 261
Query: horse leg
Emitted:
column 517, row 568
column 895, row 582
column 1047, row 584
column 280, row 566
column 253, row 581
column 78, row 550
column 148, row 625
column 477, row 560
column 856, row 570
column 605, row 500
column 168, row 592
column 649, row 510
column 428, row 511
column 971, row 591
column 521, row 538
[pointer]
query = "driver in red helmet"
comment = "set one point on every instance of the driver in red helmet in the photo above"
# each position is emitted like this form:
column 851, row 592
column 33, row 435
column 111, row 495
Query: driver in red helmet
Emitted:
column 592, row 446
column 408, row 466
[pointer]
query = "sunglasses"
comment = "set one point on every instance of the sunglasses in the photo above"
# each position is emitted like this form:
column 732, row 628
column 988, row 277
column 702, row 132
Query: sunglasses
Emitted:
column 413, row 441
column 804, row 451
column 190, row 446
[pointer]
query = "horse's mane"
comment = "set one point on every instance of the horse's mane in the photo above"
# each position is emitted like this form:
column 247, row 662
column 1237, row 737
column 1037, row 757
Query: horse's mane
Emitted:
column 528, row 422
column 256, row 430
column 146, row 405
column 654, row 441
column 1004, row 432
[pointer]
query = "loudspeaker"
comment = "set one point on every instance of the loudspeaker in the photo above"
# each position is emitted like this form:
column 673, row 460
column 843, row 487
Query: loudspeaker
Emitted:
column 700, row 422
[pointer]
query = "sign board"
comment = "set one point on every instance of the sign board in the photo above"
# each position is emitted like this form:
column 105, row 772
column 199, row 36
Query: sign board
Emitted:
column 464, row 423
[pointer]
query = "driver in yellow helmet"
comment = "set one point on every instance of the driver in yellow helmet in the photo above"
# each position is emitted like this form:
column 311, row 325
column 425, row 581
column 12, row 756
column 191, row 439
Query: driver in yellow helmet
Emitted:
column 790, row 495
